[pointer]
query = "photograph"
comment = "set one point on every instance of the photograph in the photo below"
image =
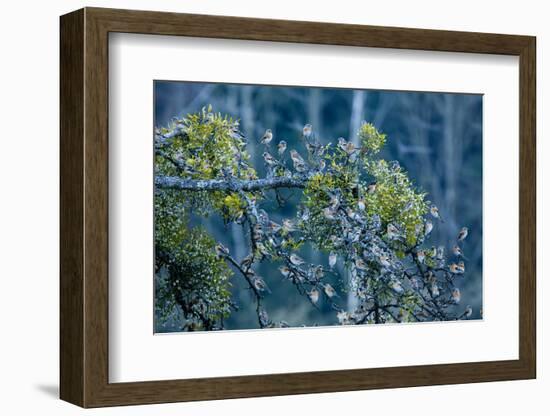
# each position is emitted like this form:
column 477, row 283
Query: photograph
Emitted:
column 292, row 206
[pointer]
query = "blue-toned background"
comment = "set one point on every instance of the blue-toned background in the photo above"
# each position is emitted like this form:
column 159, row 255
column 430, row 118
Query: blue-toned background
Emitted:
column 436, row 137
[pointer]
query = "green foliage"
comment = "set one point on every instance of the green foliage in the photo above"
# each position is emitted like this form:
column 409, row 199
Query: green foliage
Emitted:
column 371, row 138
column 395, row 199
column 208, row 145
column 198, row 281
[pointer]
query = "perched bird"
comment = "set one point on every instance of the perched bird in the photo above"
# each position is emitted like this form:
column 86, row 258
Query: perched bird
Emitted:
column 457, row 251
column 298, row 161
column 421, row 256
column 262, row 249
column 435, row 212
column 285, row 270
column 343, row 317
column 273, row 227
column 392, row 231
column 305, row 215
column 313, row 296
column 461, row 267
column 336, row 241
column 360, row 264
column 221, row 250
column 395, row 285
column 371, row 188
column 334, row 201
column 350, row 148
column 384, row 260
column 257, row 232
column 455, row 295
column 361, row 204
column 272, row 242
column 296, row 260
column 434, row 289
column 297, row 277
column 329, row 213
column 353, row 235
column 263, row 216
column 236, row 153
column 342, row 142
column 332, row 257
column 259, row 284
column 455, row 268
column 236, row 133
column 440, row 253
column 353, row 215
column 270, row 160
column 263, row 317
column 247, row 261
column 462, row 234
column 347, row 147
column 428, row 227
column 362, row 293
column 267, row 137
column 300, row 167
column 374, row 248
column 281, row 147
column 329, row 290
column 408, row 206
column 320, row 150
column 318, row 272
column 468, row 312
column 288, row 226
column 312, row 148
column 307, row 130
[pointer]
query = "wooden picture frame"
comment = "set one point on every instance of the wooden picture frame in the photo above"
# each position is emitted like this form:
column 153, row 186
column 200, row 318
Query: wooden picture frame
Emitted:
column 84, row 207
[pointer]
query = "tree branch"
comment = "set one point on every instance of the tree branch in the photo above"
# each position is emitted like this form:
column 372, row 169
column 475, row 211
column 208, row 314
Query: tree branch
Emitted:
column 174, row 182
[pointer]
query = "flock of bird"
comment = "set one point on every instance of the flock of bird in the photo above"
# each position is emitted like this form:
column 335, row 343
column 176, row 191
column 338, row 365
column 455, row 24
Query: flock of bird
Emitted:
column 329, row 212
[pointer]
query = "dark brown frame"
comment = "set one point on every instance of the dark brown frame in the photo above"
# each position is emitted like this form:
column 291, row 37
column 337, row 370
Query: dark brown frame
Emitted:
column 84, row 207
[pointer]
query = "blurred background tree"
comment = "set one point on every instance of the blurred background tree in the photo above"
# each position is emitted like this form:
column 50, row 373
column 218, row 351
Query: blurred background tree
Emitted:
column 436, row 137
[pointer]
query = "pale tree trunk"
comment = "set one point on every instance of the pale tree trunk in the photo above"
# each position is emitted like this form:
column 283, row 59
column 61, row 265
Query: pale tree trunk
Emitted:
column 357, row 115
column 314, row 109
column 247, row 121
column 452, row 154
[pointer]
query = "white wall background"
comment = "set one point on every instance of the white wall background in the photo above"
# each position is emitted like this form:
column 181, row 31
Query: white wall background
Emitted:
column 29, row 83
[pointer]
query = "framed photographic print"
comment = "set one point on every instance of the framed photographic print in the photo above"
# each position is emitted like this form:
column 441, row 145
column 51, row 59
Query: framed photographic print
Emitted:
column 258, row 207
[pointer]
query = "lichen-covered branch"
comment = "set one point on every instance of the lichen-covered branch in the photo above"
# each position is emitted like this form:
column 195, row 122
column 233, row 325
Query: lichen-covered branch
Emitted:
column 250, row 185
